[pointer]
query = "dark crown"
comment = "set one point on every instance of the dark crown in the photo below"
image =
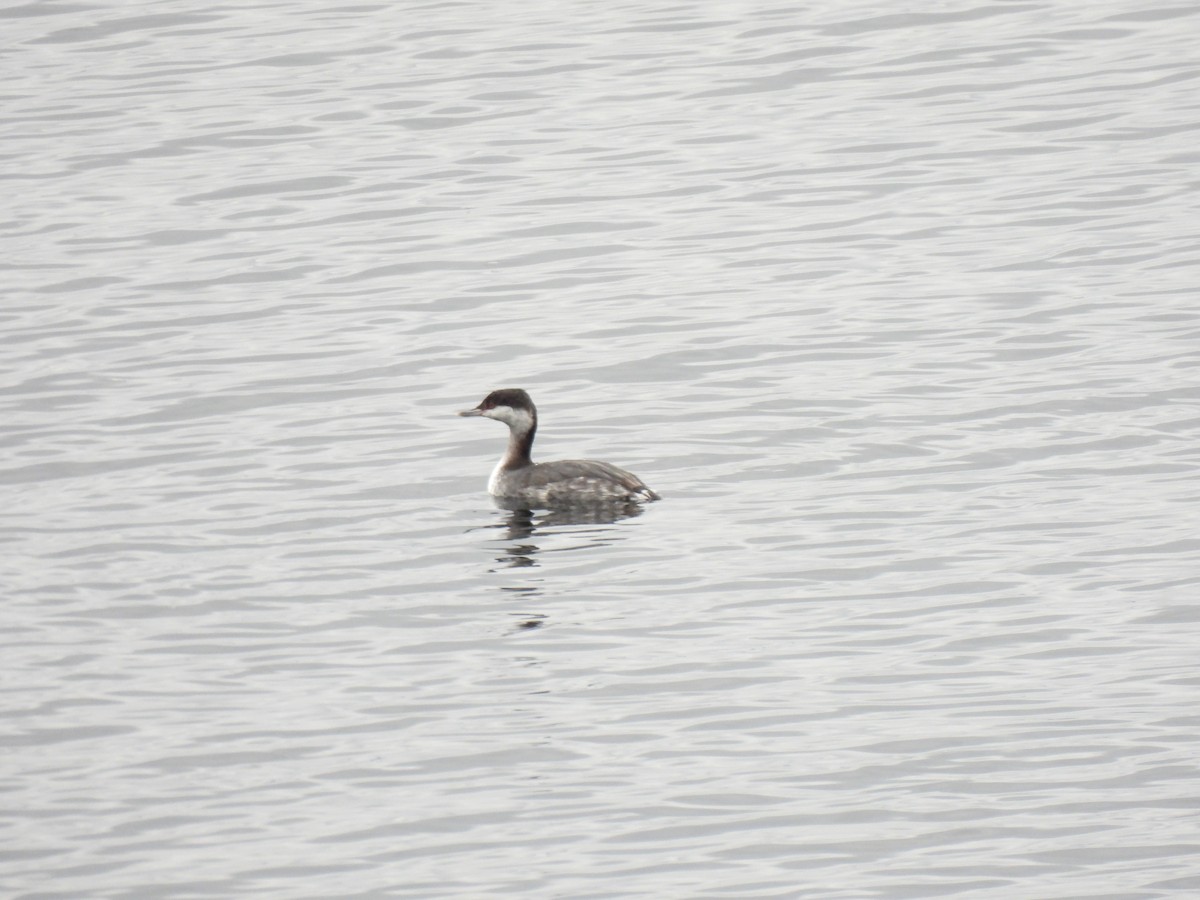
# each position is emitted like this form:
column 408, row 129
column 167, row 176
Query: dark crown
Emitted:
column 513, row 397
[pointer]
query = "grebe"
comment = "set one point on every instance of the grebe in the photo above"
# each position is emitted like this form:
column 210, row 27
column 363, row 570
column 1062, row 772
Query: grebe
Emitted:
column 567, row 482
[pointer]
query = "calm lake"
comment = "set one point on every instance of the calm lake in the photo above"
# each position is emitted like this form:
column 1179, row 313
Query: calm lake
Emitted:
column 896, row 305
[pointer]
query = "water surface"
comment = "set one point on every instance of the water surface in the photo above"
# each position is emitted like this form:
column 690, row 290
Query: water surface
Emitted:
column 896, row 309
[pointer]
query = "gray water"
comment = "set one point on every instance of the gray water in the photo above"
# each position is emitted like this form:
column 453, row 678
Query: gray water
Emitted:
column 898, row 310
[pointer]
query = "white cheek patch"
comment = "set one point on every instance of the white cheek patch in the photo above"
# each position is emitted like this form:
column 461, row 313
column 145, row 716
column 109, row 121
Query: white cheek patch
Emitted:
column 519, row 419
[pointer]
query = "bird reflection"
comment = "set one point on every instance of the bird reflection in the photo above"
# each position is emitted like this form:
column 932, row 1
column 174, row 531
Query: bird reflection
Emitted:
column 522, row 529
column 523, row 525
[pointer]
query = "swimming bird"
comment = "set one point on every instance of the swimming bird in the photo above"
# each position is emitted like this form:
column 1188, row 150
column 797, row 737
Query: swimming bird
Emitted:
column 566, row 482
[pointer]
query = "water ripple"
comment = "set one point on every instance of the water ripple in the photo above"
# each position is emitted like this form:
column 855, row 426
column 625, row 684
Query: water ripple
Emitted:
column 896, row 309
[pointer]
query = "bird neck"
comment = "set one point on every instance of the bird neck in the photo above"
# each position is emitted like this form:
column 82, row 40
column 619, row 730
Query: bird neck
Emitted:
column 520, row 445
